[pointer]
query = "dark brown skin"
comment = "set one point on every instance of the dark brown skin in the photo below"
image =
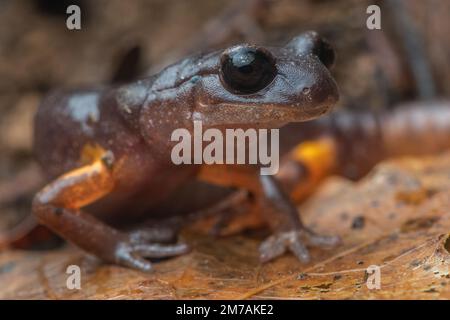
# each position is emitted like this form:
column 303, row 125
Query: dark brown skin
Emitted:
column 108, row 150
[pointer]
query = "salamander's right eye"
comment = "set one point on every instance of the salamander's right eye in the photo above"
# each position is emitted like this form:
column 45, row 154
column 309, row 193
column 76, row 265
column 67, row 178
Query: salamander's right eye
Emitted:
column 311, row 42
column 246, row 69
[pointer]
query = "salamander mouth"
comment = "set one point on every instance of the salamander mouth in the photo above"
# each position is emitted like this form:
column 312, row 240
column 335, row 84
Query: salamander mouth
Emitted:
column 318, row 111
column 267, row 116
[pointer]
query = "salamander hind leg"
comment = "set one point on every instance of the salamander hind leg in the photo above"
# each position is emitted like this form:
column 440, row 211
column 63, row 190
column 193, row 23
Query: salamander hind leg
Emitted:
column 58, row 206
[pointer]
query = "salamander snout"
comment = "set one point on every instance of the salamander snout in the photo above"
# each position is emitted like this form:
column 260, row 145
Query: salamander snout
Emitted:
column 306, row 71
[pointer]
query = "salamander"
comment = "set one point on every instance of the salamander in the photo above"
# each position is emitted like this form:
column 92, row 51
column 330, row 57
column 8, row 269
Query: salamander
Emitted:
column 106, row 150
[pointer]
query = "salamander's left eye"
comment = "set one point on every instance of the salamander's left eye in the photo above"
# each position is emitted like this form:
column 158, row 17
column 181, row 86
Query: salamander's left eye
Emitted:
column 246, row 69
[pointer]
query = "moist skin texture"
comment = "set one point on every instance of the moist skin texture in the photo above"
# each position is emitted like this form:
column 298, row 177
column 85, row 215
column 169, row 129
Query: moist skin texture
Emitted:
column 107, row 150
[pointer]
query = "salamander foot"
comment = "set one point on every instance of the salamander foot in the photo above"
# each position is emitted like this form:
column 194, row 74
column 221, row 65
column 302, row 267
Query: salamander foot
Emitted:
column 294, row 241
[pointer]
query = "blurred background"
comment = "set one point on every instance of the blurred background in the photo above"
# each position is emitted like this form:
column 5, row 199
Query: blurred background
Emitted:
column 407, row 60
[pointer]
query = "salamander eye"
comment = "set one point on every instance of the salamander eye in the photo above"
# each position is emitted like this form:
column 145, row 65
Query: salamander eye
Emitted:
column 247, row 70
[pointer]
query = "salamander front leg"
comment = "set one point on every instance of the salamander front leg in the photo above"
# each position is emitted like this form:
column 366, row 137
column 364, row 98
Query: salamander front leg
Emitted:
column 278, row 210
column 58, row 207
column 289, row 232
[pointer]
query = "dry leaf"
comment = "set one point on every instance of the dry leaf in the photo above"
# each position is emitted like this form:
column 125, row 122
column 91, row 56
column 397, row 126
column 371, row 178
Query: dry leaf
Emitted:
column 397, row 218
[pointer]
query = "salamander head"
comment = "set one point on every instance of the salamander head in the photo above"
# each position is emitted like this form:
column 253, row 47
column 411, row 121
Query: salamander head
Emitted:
column 267, row 85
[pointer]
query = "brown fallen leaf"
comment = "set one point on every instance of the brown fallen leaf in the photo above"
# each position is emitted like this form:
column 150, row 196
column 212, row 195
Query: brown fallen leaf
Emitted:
column 406, row 236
